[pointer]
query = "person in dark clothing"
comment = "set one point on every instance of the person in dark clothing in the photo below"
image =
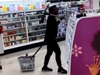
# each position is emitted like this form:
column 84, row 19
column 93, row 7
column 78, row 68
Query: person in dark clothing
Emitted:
column 50, row 40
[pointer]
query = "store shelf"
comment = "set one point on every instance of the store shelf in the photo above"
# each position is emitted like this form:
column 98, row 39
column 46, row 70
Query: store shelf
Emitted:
column 27, row 23
column 9, row 23
column 14, row 35
column 37, row 30
column 14, row 29
column 34, row 10
column 11, row 12
column 15, row 40
column 24, row 44
column 15, row 25
column 34, row 15
column 37, row 25
column 33, row 20
column 37, row 35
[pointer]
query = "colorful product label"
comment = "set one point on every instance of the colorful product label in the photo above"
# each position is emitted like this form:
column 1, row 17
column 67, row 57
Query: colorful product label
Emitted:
column 17, row 6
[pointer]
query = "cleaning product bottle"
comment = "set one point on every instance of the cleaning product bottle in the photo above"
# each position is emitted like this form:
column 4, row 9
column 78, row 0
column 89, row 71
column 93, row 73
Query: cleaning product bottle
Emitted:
column 38, row 5
column 43, row 6
column 21, row 8
column 5, row 8
column 13, row 7
column 26, row 7
column 31, row 6
column 10, row 9
column 18, row 8
column 1, row 8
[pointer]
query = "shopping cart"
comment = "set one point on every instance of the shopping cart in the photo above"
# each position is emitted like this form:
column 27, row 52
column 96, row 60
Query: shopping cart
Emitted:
column 27, row 63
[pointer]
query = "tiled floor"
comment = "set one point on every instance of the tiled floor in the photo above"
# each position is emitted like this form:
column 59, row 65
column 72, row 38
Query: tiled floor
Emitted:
column 11, row 65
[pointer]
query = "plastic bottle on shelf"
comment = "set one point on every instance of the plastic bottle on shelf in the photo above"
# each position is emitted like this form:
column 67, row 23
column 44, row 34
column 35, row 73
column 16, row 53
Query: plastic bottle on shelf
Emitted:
column 13, row 7
column 37, row 5
column 43, row 5
column 31, row 6
column 26, row 7
column 5, row 39
column 17, row 42
column 13, row 43
column 4, row 27
column 12, row 38
column 38, row 38
column 5, row 8
column 8, row 44
column 17, row 37
column 18, row 8
column 21, row 25
column 24, row 41
column 22, row 8
column 5, row 34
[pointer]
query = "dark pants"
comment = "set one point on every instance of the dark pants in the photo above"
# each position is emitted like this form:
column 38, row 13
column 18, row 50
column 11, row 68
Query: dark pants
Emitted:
column 53, row 46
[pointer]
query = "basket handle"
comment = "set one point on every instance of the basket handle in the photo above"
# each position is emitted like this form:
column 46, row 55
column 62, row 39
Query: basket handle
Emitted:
column 36, row 52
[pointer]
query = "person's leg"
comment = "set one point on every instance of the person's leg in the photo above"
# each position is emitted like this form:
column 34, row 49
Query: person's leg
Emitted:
column 57, row 54
column 47, row 57
column 58, row 58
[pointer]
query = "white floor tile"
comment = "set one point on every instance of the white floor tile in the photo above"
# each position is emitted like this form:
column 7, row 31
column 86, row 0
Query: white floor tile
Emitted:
column 11, row 65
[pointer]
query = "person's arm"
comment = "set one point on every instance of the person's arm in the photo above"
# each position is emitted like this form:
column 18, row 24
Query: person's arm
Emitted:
column 60, row 17
column 58, row 22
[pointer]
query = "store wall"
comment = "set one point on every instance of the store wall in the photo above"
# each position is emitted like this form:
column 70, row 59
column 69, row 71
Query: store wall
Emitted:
column 92, row 4
column 95, row 4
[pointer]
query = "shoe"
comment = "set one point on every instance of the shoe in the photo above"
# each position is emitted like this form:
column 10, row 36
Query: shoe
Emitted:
column 46, row 69
column 62, row 71
column 0, row 67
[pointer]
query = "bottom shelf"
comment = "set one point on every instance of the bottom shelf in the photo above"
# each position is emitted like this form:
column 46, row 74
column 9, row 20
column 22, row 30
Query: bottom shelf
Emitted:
column 24, row 44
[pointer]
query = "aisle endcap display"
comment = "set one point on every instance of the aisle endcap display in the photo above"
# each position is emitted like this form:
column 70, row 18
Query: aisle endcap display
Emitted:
column 79, row 35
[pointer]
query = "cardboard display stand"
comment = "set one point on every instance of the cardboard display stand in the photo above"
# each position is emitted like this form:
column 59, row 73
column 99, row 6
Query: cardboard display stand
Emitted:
column 80, row 50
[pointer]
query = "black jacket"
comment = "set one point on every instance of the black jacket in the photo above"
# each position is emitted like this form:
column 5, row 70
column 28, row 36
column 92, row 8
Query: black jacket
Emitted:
column 52, row 28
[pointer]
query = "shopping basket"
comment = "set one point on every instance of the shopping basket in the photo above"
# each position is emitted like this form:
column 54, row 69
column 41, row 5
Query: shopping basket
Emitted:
column 27, row 63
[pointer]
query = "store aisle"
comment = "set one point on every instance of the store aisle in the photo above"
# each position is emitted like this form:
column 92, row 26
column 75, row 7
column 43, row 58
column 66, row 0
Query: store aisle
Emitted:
column 11, row 65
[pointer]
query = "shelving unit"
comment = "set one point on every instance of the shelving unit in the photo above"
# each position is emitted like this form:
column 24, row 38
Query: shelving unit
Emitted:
column 22, row 28
column 70, row 34
column 69, row 37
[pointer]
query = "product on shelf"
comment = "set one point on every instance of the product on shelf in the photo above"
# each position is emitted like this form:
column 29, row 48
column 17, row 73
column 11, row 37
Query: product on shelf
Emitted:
column 24, row 41
column 5, row 34
column 7, row 44
column 5, row 39
column 38, row 38
column 22, row 26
